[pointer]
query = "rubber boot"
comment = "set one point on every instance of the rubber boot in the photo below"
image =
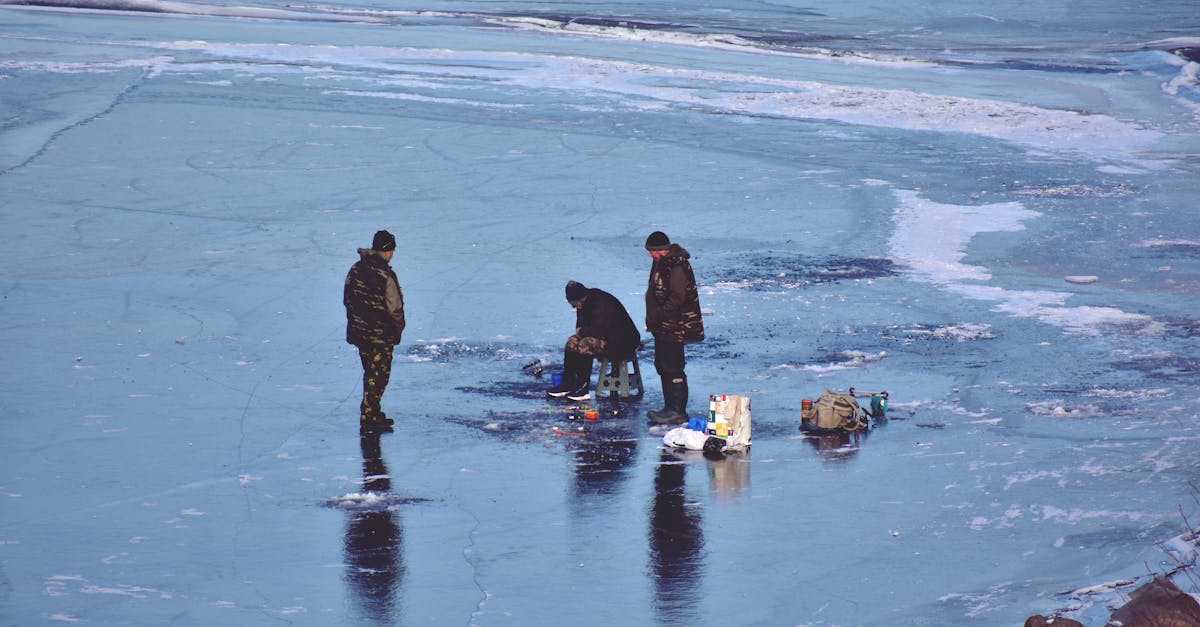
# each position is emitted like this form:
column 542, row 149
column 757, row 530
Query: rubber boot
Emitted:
column 675, row 393
column 682, row 398
column 653, row 414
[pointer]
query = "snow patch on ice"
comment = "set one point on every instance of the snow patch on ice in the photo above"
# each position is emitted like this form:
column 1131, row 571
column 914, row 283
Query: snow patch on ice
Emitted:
column 360, row 500
column 938, row 260
column 931, row 239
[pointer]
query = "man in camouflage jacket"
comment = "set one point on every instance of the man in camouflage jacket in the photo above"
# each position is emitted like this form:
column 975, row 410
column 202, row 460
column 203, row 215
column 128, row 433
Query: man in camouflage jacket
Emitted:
column 673, row 317
column 374, row 323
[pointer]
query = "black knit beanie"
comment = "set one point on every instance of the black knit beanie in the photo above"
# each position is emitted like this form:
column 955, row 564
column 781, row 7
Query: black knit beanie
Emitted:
column 657, row 241
column 383, row 241
column 575, row 291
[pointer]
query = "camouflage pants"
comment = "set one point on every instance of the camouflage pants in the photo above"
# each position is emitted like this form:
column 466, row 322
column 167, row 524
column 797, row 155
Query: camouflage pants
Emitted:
column 377, row 371
column 590, row 346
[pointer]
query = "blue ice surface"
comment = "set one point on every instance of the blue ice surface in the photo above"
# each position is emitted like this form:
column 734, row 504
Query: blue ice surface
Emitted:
column 985, row 209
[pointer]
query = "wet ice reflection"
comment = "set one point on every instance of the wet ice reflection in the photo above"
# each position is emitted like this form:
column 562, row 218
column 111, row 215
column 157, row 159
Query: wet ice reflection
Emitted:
column 602, row 464
column 374, row 544
column 676, row 543
column 839, row 446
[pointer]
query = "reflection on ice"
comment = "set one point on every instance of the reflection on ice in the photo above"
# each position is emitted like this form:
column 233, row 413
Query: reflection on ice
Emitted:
column 676, row 543
column 374, row 544
column 840, row 446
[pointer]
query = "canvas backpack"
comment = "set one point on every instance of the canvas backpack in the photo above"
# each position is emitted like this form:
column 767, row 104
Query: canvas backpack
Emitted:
column 838, row 411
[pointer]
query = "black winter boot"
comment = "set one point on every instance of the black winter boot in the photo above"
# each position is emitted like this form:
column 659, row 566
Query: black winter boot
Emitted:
column 577, row 378
column 654, row 413
column 675, row 393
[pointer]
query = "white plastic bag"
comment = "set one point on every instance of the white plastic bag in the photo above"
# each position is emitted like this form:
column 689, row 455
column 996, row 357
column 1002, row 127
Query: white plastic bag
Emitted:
column 682, row 437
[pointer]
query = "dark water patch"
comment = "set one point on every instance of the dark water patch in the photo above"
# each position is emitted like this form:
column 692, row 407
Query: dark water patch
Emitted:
column 95, row 5
column 1190, row 53
column 603, row 22
column 1168, row 249
column 528, row 389
column 758, row 33
column 776, row 271
column 1181, row 327
column 802, row 42
column 1163, row 366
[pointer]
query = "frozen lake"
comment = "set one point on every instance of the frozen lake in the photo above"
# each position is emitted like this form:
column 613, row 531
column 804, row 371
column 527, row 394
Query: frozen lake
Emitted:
column 987, row 213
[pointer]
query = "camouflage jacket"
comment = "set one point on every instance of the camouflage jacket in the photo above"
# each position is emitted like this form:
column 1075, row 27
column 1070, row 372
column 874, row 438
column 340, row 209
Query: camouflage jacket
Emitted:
column 373, row 300
column 672, row 301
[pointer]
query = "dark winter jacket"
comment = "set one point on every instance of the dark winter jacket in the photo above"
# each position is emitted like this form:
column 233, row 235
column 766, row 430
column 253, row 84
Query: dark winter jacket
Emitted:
column 373, row 300
column 672, row 301
column 603, row 316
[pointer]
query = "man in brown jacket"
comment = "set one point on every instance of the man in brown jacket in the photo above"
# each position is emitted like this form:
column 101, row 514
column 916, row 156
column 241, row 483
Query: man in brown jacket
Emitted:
column 374, row 323
column 673, row 317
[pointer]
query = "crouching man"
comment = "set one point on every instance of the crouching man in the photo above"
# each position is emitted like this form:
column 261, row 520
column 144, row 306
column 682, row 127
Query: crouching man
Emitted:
column 602, row 329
